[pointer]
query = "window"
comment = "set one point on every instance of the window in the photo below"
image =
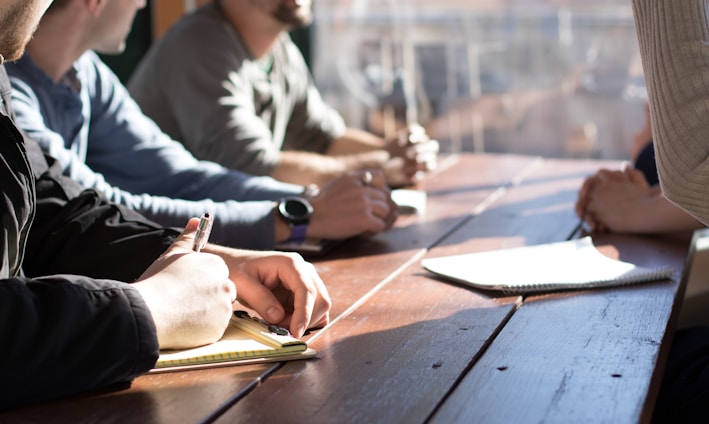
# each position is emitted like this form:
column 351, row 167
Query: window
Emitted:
column 554, row 78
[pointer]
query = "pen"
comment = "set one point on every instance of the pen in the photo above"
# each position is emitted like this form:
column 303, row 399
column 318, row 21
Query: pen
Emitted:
column 203, row 230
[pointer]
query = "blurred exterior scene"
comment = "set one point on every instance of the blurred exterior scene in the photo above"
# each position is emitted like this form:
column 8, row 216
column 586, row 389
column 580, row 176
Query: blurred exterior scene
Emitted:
column 558, row 78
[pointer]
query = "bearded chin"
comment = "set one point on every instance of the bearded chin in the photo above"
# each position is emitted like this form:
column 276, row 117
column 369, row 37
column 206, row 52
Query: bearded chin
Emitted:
column 15, row 50
column 13, row 43
column 294, row 18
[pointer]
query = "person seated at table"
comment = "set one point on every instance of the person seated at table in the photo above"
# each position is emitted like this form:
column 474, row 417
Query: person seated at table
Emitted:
column 630, row 200
column 69, row 322
column 673, row 47
column 246, row 99
column 76, row 108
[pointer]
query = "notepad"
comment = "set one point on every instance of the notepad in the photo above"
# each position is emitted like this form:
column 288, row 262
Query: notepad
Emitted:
column 568, row 265
column 246, row 340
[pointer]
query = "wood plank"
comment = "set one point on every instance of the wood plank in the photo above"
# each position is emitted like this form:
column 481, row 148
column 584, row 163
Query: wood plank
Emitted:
column 538, row 208
column 351, row 272
column 592, row 356
column 182, row 397
column 388, row 361
column 532, row 334
column 358, row 266
column 393, row 353
column 394, row 357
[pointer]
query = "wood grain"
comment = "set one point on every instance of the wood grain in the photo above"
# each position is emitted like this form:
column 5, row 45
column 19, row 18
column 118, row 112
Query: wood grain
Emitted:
column 406, row 347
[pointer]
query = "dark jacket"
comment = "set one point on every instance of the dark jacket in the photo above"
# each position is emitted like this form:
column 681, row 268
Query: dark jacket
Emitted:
column 68, row 320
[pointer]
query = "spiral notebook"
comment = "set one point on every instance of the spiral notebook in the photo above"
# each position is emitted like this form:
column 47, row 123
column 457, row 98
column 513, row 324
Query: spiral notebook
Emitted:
column 247, row 340
column 568, row 265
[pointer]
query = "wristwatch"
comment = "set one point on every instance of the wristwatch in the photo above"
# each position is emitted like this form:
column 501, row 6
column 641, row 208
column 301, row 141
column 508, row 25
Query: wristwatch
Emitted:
column 296, row 212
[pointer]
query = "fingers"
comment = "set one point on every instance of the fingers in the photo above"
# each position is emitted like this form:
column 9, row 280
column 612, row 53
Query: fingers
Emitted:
column 371, row 178
column 583, row 197
column 381, row 218
column 584, row 204
column 358, row 203
column 603, row 175
column 423, row 150
column 233, row 293
column 417, row 150
column 593, row 202
column 390, row 219
column 286, row 290
column 381, row 211
column 309, row 309
column 261, row 299
column 184, row 242
column 421, row 156
column 379, row 204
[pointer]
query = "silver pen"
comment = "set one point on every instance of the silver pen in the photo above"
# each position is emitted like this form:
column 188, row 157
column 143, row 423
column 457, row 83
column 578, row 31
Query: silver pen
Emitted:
column 203, row 230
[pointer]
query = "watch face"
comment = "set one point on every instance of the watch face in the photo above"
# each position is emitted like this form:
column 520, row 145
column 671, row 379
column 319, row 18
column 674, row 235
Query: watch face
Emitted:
column 295, row 209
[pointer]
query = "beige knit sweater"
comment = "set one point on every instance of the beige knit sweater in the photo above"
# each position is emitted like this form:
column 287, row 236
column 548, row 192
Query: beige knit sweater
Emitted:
column 674, row 45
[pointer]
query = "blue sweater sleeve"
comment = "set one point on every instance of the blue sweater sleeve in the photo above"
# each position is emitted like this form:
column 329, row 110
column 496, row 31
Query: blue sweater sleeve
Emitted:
column 131, row 151
column 123, row 154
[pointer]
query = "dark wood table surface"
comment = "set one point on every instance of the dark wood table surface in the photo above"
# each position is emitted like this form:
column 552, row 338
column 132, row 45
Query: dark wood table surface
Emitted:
column 406, row 347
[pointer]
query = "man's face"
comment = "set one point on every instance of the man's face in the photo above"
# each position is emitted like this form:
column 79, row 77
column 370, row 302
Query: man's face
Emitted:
column 114, row 25
column 18, row 20
column 291, row 13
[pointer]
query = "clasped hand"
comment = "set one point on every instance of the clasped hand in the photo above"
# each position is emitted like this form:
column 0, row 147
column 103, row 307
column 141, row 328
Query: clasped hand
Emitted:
column 412, row 153
column 612, row 200
column 347, row 207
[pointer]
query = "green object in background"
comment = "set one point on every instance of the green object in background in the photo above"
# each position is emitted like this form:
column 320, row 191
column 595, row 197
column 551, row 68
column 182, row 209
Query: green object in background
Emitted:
column 139, row 39
column 301, row 38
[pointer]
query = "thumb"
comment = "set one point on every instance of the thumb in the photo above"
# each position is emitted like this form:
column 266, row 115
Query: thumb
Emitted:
column 185, row 241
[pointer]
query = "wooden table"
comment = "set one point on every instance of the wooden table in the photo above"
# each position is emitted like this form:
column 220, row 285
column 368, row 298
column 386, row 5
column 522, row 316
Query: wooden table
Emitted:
column 405, row 347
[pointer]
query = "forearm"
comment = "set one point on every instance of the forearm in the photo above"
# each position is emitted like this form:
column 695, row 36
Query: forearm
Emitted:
column 312, row 168
column 674, row 52
column 658, row 215
column 246, row 225
column 355, row 141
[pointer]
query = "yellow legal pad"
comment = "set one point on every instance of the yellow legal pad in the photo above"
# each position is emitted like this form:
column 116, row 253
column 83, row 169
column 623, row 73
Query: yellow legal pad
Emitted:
column 246, row 340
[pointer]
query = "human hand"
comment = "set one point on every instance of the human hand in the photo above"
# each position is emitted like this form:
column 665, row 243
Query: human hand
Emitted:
column 616, row 200
column 584, row 197
column 281, row 287
column 347, row 207
column 411, row 153
column 189, row 294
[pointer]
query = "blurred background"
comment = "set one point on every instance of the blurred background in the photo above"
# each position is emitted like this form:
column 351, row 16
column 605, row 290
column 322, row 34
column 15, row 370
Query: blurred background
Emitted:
column 558, row 78
column 553, row 78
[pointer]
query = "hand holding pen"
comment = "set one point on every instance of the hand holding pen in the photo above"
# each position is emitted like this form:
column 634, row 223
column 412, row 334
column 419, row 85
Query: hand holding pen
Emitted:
column 203, row 230
column 201, row 237
column 188, row 294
